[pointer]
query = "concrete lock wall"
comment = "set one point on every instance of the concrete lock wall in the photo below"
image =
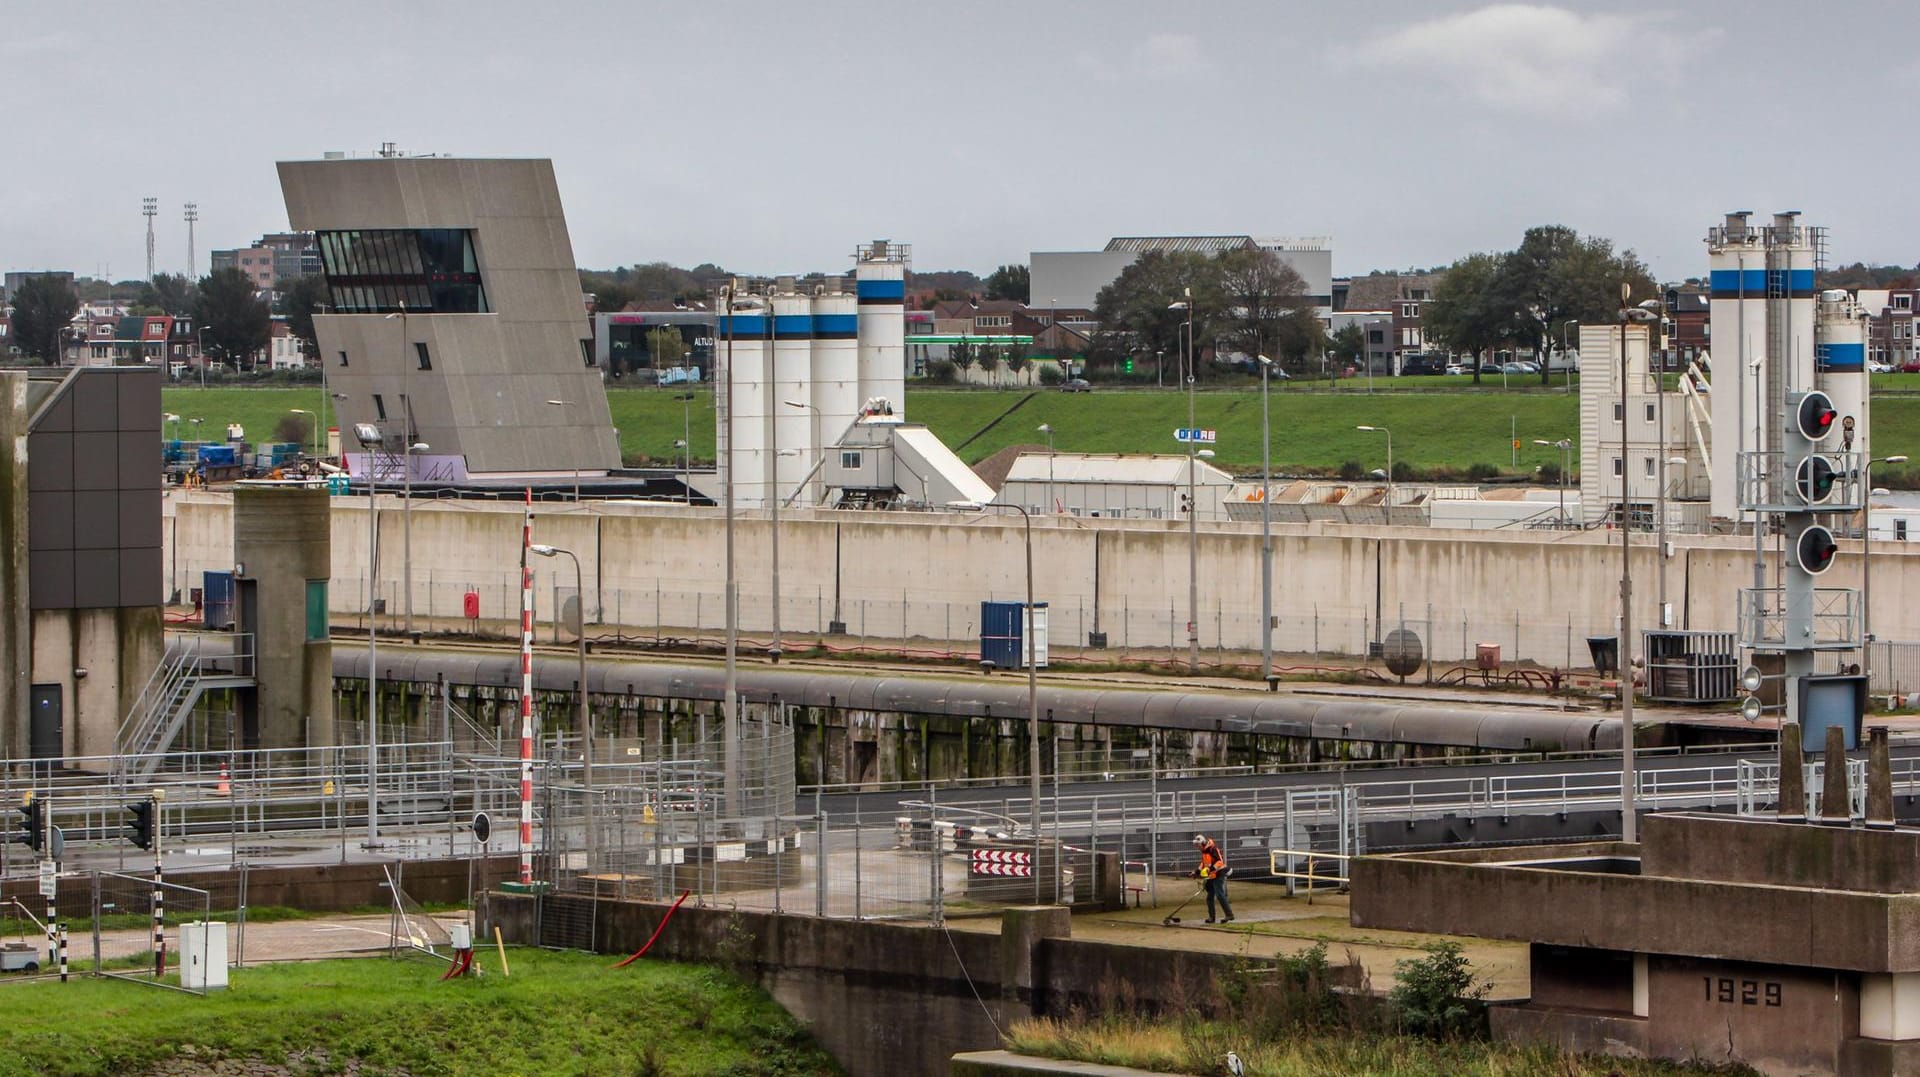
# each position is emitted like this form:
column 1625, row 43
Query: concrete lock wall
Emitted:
column 905, row 576
column 280, row 535
column 886, row 998
column 16, row 659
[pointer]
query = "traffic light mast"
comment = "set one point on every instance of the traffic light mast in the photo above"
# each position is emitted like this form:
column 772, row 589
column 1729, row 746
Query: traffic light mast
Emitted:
column 1809, row 477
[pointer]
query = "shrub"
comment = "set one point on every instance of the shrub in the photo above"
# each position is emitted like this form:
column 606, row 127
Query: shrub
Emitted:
column 1481, row 471
column 1050, row 375
column 1435, row 994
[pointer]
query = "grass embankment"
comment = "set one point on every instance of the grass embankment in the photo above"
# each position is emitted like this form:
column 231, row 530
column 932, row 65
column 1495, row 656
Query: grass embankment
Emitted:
column 1201, row 1048
column 1313, row 430
column 557, row 1014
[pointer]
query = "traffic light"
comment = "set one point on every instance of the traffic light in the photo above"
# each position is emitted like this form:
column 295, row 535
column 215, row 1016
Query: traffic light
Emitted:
column 1814, row 416
column 1813, row 550
column 1129, row 366
column 1813, row 479
column 140, row 830
column 33, row 822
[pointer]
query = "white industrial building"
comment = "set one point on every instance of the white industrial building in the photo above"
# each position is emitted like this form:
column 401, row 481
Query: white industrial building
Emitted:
column 1650, row 438
column 1126, row 486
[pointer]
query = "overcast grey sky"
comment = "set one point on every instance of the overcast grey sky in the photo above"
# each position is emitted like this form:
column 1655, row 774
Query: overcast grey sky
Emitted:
column 774, row 137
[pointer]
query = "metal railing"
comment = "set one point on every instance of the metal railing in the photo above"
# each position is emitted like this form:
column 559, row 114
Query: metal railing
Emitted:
column 1834, row 619
column 193, row 659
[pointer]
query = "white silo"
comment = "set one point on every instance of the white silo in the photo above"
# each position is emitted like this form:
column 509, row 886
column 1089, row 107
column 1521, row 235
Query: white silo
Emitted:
column 836, row 366
column 792, row 373
column 1840, row 366
column 741, row 350
column 1762, row 317
column 881, row 284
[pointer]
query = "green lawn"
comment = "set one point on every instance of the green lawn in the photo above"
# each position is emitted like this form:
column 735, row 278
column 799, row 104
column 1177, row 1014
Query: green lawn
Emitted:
column 559, row 1013
column 1313, row 429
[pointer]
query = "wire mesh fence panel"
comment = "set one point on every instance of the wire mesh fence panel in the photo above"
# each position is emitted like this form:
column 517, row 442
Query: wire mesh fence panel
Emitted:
column 125, row 925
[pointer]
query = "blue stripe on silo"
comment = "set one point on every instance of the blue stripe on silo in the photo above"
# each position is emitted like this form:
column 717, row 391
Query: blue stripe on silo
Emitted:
column 1841, row 357
column 741, row 325
column 1726, row 283
column 869, row 290
column 793, row 326
column 835, row 326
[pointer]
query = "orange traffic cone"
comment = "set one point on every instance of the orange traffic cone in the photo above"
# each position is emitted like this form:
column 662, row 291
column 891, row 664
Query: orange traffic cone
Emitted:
column 223, row 787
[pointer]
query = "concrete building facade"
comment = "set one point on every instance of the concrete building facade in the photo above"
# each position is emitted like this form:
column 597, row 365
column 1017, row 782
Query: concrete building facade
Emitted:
column 80, row 562
column 456, row 313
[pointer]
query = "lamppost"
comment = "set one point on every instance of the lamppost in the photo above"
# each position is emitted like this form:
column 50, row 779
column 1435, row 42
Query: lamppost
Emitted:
column 1629, row 822
column 819, row 450
column 200, row 343
column 1866, row 565
column 316, row 424
column 730, row 692
column 686, row 491
column 369, row 437
column 576, row 462
column 1564, row 357
column 774, row 649
column 173, row 422
column 1566, row 451
column 583, row 720
column 1193, row 505
column 1266, row 532
column 406, row 525
column 1033, row 682
column 1389, row 434
column 686, row 444
column 1047, row 429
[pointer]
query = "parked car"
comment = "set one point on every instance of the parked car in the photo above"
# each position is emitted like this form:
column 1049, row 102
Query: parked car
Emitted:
column 1459, row 368
column 1076, row 385
column 1911, row 366
column 1519, row 368
column 1874, row 366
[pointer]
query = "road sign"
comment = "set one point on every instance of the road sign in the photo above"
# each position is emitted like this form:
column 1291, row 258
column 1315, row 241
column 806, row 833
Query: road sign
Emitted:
column 1004, row 862
column 1194, row 434
column 47, row 876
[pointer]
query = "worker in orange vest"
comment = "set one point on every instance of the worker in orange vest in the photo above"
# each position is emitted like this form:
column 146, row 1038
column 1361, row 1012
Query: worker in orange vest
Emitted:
column 1212, row 873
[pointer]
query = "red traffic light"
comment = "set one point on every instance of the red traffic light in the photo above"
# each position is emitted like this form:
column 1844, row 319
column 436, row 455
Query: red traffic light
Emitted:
column 1814, row 416
column 1814, row 550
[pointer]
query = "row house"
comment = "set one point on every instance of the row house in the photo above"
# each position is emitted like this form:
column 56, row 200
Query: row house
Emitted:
column 1689, row 328
column 1890, row 338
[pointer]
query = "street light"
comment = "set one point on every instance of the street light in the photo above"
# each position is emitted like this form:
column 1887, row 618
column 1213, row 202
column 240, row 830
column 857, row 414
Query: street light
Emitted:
column 200, row 343
column 1033, row 682
column 1193, row 504
column 369, row 437
column 406, row 529
column 316, row 425
column 576, row 462
column 1047, row 429
column 1266, row 532
column 583, row 718
column 174, row 421
column 1566, row 451
column 1629, row 823
column 1866, row 566
column 686, row 443
column 1389, row 434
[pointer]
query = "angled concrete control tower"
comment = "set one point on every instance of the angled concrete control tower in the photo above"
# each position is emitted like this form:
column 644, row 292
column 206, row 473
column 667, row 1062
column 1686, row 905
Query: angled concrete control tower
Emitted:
column 456, row 318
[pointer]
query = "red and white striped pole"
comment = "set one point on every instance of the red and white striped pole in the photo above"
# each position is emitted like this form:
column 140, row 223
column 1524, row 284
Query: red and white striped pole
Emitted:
column 526, row 697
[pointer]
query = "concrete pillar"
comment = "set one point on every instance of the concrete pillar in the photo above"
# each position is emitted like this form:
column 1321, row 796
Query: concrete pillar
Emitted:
column 1022, row 972
column 1834, row 809
column 281, row 543
column 1879, row 780
column 1793, row 776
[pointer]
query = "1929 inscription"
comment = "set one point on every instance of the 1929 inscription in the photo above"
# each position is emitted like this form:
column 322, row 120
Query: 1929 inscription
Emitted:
column 1741, row 992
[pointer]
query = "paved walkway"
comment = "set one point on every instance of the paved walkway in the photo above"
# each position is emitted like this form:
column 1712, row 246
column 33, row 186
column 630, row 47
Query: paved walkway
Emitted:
column 1269, row 924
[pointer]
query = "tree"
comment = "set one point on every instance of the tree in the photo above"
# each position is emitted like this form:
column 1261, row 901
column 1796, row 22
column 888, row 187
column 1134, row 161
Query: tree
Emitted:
column 43, row 307
column 666, row 346
column 300, row 298
column 1016, row 358
column 235, row 323
column 1350, row 344
column 1010, row 282
column 1557, row 276
column 1139, row 302
column 963, row 357
column 167, row 293
column 1467, row 313
column 1263, row 294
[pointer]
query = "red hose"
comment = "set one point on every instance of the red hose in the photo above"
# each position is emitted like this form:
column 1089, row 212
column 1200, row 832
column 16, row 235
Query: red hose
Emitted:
column 656, row 932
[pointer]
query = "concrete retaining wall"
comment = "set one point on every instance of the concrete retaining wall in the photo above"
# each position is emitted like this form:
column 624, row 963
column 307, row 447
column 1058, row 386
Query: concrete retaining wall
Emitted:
column 1537, row 594
column 889, row 998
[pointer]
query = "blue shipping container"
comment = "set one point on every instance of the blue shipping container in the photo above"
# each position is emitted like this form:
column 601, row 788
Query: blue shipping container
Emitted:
column 217, row 608
column 218, row 455
column 1002, row 636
